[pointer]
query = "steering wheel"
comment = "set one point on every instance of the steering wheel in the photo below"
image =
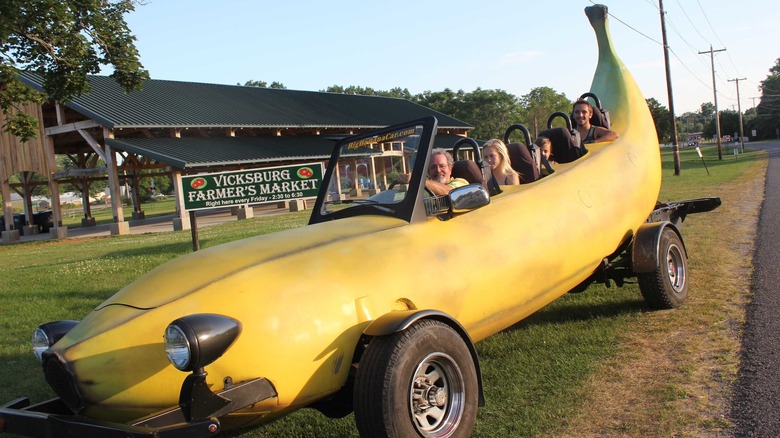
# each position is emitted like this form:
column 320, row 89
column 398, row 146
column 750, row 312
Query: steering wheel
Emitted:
column 398, row 181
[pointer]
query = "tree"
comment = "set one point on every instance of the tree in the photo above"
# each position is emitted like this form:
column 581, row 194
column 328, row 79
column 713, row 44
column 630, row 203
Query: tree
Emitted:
column 767, row 121
column 490, row 111
column 729, row 122
column 446, row 101
column 154, row 185
column 662, row 120
column 398, row 92
column 75, row 184
column 690, row 122
column 264, row 84
column 539, row 104
column 62, row 41
column 707, row 110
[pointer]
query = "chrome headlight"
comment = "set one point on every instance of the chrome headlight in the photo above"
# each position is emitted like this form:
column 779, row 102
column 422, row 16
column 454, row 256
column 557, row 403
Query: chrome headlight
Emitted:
column 177, row 347
column 194, row 341
column 48, row 334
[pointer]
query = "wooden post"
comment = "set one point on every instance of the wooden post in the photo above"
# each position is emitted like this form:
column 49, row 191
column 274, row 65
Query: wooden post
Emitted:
column 194, row 231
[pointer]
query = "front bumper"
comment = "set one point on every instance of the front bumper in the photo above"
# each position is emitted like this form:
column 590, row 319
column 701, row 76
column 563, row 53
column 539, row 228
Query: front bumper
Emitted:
column 54, row 419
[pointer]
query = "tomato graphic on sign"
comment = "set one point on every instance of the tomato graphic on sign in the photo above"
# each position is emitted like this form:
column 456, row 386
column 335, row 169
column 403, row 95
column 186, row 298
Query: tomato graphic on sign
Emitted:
column 198, row 183
column 305, row 172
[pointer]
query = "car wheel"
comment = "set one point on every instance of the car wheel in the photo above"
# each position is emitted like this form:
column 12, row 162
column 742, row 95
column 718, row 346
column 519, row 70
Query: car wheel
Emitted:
column 418, row 382
column 667, row 286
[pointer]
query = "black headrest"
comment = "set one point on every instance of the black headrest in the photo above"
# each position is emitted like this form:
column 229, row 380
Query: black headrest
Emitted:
column 565, row 145
column 522, row 162
column 600, row 116
column 468, row 170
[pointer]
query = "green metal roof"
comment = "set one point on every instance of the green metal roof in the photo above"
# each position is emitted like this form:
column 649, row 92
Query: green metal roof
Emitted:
column 197, row 152
column 169, row 104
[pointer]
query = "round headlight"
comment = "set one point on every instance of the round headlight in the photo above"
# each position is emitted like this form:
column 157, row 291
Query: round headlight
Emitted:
column 46, row 335
column 40, row 343
column 194, row 341
column 177, row 347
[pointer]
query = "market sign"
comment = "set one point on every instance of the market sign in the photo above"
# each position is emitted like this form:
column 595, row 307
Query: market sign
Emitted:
column 270, row 184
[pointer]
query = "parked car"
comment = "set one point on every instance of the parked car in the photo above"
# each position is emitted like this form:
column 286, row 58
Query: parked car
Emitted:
column 376, row 305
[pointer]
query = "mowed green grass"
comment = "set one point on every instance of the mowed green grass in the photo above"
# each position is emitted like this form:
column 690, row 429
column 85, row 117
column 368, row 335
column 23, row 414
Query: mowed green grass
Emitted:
column 534, row 373
column 103, row 214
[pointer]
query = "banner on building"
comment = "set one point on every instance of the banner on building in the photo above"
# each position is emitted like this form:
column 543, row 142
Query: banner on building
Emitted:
column 270, row 184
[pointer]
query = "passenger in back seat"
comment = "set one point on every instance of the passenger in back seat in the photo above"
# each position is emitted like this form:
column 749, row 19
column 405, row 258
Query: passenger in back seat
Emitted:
column 545, row 149
column 495, row 153
column 582, row 111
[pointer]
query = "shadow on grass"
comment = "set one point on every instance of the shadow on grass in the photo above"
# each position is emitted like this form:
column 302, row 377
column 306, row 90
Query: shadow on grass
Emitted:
column 175, row 249
column 572, row 308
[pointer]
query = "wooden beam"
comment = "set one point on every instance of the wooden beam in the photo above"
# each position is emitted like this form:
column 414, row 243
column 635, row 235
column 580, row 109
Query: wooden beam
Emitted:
column 93, row 144
column 70, row 127
column 80, row 172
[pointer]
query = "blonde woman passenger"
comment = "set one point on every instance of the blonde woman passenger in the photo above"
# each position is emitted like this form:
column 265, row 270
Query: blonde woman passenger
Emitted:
column 495, row 154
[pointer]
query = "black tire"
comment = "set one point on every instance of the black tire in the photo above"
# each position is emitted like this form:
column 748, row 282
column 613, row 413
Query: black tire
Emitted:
column 418, row 382
column 667, row 286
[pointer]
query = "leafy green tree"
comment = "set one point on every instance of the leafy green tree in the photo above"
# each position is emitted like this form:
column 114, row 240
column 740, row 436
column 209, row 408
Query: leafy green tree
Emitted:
column 767, row 121
column 398, row 92
column 62, row 41
column 690, row 122
column 446, row 101
column 75, row 185
column 264, row 84
column 662, row 119
column 729, row 122
column 152, row 185
column 490, row 111
column 539, row 104
column 707, row 110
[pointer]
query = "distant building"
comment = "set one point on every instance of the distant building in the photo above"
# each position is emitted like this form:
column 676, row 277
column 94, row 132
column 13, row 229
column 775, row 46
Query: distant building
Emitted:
column 181, row 128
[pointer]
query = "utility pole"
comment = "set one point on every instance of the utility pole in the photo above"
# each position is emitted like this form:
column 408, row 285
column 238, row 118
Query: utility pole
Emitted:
column 715, row 93
column 754, row 101
column 675, row 144
column 739, row 110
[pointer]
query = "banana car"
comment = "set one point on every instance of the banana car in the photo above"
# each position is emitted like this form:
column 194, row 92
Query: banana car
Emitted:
column 331, row 316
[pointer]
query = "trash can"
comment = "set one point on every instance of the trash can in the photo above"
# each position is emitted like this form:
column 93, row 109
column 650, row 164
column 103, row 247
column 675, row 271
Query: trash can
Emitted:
column 44, row 221
column 20, row 220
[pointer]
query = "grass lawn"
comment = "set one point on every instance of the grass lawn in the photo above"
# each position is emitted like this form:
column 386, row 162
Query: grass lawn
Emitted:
column 104, row 214
column 545, row 376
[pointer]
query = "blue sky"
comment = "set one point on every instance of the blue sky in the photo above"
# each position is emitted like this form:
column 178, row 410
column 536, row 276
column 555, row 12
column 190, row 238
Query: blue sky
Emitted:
column 432, row 45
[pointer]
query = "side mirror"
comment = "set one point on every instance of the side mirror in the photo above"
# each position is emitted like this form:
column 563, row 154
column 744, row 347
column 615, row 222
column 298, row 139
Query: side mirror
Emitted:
column 468, row 198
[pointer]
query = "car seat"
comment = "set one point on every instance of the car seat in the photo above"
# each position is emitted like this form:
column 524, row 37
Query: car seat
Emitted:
column 470, row 170
column 524, row 157
column 565, row 141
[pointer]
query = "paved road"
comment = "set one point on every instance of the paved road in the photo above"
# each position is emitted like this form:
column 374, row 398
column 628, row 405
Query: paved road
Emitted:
column 756, row 405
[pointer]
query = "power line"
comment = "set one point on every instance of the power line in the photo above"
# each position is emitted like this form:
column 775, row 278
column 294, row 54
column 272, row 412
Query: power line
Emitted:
column 691, row 21
column 710, row 24
column 689, row 70
column 631, row 27
column 716, row 35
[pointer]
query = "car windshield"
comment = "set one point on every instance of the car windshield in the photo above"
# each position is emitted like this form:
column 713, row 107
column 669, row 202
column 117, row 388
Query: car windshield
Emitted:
column 372, row 172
